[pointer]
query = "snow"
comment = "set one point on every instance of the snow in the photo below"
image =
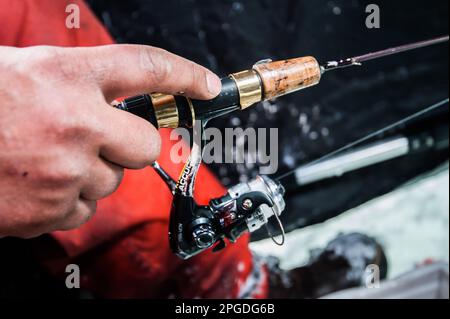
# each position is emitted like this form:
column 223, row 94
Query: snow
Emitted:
column 412, row 224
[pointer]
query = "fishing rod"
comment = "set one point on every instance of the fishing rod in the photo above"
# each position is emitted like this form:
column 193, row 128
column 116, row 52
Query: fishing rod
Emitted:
column 265, row 81
column 248, row 206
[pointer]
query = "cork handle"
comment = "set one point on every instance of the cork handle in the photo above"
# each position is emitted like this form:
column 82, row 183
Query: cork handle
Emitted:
column 282, row 77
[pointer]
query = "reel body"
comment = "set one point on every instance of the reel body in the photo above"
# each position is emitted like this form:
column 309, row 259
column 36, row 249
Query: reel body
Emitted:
column 245, row 207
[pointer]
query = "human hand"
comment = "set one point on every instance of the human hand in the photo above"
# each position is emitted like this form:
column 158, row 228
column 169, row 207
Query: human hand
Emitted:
column 62, row 146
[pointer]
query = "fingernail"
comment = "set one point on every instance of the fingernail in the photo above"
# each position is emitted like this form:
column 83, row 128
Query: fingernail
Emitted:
column 213, row 84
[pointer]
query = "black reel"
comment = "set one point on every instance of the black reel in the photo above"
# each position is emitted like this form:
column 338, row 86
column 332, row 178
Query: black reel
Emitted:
column 246, row 207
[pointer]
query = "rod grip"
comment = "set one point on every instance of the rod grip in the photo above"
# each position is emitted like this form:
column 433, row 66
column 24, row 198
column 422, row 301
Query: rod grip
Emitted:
column 286, row 76
column 169, row 111
column 139, row 105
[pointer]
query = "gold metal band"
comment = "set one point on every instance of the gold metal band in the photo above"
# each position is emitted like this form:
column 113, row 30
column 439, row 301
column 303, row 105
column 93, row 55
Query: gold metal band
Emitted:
column 191, row 107
column 166, row 110
column 249, row 86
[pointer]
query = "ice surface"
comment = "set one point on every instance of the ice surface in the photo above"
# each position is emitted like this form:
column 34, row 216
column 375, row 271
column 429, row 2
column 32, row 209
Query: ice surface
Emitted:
column 412, row 224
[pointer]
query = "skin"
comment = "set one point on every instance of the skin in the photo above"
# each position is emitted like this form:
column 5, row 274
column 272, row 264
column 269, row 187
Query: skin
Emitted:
column 62, row 146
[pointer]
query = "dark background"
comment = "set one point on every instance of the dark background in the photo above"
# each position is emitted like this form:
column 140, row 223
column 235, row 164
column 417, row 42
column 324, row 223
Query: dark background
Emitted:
column 228, row 36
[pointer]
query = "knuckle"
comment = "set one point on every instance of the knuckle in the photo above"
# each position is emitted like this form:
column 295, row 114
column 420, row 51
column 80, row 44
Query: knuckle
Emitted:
column 63, row 174
column 53, row 216
column 79, row 216
column 110, row 182
column 195, row 76
column 43, row 218
column 112, row 186
column 155, row 61
column 40, row 56
column 46, row 59
column 63, row 66
column 60, row 63
column 68, row 132
column 199, row 76
column 73, row 124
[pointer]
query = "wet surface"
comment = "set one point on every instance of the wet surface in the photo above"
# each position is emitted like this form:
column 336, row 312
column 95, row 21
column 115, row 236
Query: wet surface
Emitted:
column 339, row 265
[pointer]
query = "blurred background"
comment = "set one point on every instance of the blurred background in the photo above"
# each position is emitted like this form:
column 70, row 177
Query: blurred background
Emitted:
column 403, row 202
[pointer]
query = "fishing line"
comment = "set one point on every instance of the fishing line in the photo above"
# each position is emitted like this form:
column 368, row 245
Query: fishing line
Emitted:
column 371, row 135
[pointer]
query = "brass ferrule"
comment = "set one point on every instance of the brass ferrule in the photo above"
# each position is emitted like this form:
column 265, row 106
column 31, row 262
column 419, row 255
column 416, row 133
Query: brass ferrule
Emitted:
column 166, row 110
column 191, row 108
column 249, row 86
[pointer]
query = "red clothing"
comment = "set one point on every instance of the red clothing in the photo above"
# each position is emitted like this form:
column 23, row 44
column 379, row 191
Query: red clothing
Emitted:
column 123, row 251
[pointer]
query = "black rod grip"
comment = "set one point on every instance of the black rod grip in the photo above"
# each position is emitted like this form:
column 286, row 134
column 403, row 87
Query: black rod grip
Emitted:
column 142, row 106
column 228, row 97
column 187, row 110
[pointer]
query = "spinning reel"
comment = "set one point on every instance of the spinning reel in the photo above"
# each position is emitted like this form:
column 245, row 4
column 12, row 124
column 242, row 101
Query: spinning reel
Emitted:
column 245, row 207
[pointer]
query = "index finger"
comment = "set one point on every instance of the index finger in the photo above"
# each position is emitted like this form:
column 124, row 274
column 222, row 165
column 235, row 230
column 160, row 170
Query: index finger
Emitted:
column 125, row 70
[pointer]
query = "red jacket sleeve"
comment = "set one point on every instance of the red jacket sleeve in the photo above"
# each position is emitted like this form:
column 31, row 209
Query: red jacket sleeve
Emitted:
column 43, row 22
